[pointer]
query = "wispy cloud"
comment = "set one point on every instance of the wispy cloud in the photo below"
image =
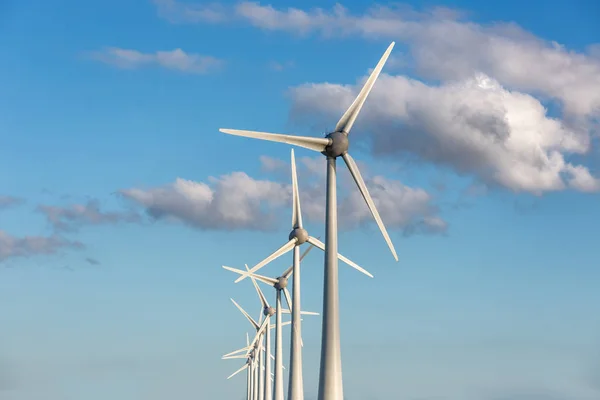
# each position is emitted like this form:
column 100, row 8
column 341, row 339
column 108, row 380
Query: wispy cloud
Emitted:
column 176, row 59
column 280, row 66
column 92, row 261
column 178, row 12
column 11, row 246
column 10, row 201
column 72, row 217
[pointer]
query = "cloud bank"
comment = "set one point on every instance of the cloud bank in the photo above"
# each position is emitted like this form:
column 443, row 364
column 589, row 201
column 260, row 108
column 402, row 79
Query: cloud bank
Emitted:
column 239, row 202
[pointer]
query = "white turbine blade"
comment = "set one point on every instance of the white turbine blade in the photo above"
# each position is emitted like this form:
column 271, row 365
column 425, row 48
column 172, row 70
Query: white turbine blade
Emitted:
column 296, row 211
column 238, row 371
column 265, row 279
column 288, row 272
column 261, row 295
column 235, row 352
column 286, row 311
column 321, row 245
column 233, row 357
column 247, row 340
column 351, row 164
column 345, row 123
column 288, row 298
column 277, row 253
column 311, row 143
column 252, row 321
column 282, row 324
column 259, row 332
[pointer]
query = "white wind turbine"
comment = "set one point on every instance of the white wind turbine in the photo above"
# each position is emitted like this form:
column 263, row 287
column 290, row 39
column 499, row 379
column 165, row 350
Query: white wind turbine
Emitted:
column 332, row 146
column 265, row 386
column 297, row 237
column 250, row 357
column 248, row 365
column 280, row 285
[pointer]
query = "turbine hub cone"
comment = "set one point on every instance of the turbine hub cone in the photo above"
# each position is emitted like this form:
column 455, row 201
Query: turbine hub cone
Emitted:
column 300, row 234
column 269, row 311
column 281, row 283
column 338, row 146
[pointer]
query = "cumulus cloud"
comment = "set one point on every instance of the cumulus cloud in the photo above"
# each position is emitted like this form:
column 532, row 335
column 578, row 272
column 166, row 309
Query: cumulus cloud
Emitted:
column 10, row 201
column 474, row 125
column 74, row 216
column 240, row 202
column 234, row 201
column 175, row 59
column 11, row 246
column 442, row 45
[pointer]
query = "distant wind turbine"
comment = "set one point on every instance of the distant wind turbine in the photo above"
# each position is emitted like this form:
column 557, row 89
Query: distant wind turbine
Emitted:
column 332, row 146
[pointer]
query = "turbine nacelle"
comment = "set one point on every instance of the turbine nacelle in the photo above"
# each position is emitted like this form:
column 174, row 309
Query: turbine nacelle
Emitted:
column 300, row 234
column 338, row 144
column 282, row 283
column 268, row 311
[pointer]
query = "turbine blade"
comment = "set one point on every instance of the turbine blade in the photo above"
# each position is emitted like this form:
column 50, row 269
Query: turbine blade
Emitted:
column 282, row 324
column 247, row 340
column 351, row 164
column 321, row 245
column 345, row 123
column 265, row 279
column 296, row 212
column 238, row 371
column 259, row 332
column 233, row 357
column 277, row 253
column 288, row 272
column 311, row 143
column 235, row 352
column 288, row 298
column 309, row 313
column 261, row 295
column 252, row 321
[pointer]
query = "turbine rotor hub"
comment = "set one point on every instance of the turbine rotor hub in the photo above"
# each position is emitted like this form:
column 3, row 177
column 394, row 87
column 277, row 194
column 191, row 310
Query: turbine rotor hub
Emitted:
column 281, row 283
column 269, row 311
column 300, row 234
column 339, row 144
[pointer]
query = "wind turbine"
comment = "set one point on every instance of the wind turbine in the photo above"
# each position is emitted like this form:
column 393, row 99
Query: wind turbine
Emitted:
column 254, row 380
column 332, row 146
column 265, row 388
column 280, row 285
column 297, row 237
column 247, row 365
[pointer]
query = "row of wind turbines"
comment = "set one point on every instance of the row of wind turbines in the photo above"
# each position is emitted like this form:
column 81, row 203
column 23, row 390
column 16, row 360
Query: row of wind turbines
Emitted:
column 262, row 384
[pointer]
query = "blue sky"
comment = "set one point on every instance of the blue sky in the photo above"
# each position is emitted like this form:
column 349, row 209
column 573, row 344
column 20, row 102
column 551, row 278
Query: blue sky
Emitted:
column 479, row 144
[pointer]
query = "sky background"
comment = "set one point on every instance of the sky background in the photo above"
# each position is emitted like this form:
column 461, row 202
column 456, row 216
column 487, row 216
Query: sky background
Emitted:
column 120, row 200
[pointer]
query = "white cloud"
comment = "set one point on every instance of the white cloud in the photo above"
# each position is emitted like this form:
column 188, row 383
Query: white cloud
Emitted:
column 240, row 202
column 442, row 44
column 475, row 126
column 233, row 201
column 175, row 59
column 11, row 246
